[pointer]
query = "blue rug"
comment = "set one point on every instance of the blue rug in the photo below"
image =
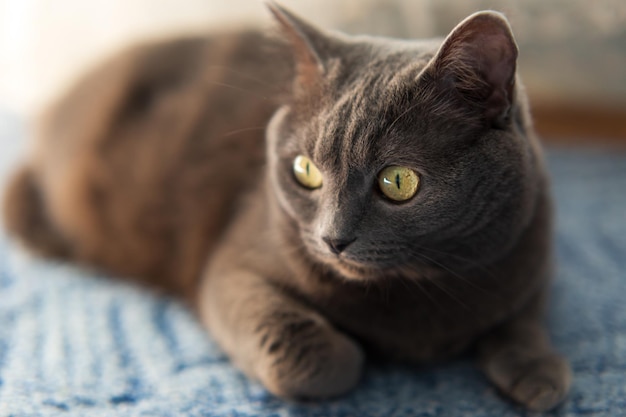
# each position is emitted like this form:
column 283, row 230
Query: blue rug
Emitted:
column 75, row 344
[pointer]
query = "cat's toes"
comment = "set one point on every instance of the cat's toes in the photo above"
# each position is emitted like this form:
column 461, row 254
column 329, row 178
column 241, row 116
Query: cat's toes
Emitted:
column 325, row 364
column 540, row 383
column 537, row 392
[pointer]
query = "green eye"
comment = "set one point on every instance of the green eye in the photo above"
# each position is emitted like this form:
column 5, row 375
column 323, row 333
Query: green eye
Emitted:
column 398, row 183
column 307, row 173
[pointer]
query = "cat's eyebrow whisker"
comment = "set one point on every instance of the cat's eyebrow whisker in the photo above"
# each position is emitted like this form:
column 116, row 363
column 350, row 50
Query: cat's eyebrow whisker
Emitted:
column 246, row 129
column 397, row 119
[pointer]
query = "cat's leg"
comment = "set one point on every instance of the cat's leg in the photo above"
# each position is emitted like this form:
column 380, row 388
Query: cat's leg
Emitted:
column 520, row 361
column 24, row 217
column 291, row 349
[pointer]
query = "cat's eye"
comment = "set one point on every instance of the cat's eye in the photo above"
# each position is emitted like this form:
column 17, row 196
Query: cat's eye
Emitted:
column 307, row 173
column 398, row 183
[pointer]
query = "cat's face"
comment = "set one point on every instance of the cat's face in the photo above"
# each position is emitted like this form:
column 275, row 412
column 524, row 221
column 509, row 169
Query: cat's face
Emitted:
column 388, row 162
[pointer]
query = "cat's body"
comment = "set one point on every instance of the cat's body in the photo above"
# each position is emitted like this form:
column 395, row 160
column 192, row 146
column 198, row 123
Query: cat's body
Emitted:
column 156, row 167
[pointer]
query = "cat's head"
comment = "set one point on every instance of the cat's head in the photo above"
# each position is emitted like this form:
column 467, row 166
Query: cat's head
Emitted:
column 393, row 156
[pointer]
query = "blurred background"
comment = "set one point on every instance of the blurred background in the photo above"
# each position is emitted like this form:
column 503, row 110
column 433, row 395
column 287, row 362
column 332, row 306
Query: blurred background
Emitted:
column 573, row 52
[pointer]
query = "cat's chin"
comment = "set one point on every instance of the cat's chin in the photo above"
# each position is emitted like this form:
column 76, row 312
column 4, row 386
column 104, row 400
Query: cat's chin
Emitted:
column 352, row 271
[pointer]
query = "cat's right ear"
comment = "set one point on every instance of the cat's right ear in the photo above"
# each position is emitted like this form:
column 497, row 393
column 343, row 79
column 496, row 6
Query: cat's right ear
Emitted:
column 478, row 58
column 306, row 43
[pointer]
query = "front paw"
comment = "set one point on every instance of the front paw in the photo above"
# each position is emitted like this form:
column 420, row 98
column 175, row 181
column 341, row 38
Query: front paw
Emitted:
column 305, row 358
column 539, row 383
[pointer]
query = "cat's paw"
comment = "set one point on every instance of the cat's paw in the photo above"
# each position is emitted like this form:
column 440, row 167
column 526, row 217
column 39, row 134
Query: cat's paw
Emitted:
column 539, row 383
column 309, row 360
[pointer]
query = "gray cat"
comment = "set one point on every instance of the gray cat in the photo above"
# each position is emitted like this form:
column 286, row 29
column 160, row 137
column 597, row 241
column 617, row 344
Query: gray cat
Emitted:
column 398, row 205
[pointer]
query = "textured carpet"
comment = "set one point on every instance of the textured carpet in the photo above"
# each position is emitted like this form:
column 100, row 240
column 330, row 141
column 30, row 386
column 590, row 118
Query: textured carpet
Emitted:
column 75, row 344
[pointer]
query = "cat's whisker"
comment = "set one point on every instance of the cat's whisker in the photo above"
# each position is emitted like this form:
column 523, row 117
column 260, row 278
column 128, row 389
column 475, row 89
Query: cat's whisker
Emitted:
column 470, row 261
column 247, row 129
column 397, row 119
column 450, row 294
column 442, row 287
column 457, row 275
column 427, row 294
column 416, row 283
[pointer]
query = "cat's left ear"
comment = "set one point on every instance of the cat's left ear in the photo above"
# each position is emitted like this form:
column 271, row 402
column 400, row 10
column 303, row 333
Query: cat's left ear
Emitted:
column 479, row 58
column 307, row 43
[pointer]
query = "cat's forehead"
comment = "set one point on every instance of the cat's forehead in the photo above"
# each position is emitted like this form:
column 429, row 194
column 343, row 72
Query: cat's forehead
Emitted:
column 374, row 60
column 356, row 125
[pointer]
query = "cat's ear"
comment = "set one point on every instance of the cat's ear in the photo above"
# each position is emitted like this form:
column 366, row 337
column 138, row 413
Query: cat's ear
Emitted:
column 479, row 58
column 306, row 42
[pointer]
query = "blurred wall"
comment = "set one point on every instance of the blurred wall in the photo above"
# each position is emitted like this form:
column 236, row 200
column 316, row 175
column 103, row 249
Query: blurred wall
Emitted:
column 44, row 44
column 571, row 50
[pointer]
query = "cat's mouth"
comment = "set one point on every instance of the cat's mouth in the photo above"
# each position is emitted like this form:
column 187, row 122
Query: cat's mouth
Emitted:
column 356, row 269
column 353, row 265
column 344, row 266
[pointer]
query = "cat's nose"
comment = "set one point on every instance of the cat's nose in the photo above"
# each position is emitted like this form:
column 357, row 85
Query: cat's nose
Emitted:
column 337, row 245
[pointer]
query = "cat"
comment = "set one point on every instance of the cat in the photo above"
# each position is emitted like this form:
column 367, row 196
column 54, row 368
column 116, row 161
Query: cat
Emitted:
column 315, row 197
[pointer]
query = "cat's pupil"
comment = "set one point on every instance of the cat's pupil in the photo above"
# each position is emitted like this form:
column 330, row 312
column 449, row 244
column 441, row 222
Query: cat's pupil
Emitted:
column 398, row 183
column 306, row 172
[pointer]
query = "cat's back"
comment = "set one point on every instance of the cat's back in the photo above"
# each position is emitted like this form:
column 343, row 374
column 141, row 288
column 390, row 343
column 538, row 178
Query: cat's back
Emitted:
column 140, row 165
